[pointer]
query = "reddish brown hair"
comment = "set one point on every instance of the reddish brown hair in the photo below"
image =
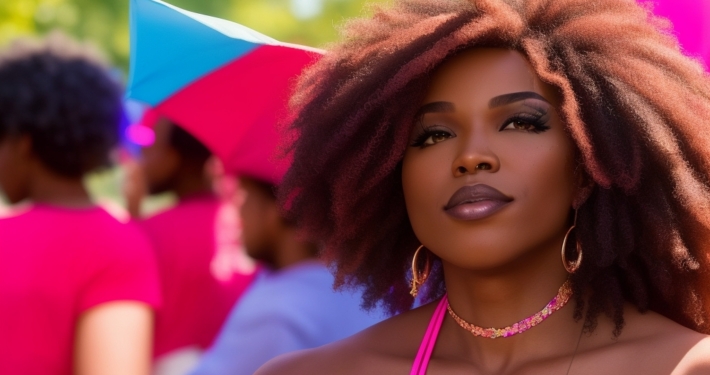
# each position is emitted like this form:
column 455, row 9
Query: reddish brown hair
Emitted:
column 634, row 105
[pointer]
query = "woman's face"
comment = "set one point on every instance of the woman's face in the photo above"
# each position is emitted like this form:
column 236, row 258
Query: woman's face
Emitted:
column 489, row 177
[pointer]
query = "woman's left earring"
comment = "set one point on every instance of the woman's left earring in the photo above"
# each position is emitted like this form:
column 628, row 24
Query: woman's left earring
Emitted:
column 571, row 267
column 418, row 277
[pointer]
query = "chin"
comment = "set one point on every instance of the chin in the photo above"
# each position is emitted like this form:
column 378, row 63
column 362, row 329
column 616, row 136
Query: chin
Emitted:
column 492, row 263
column 483, row 257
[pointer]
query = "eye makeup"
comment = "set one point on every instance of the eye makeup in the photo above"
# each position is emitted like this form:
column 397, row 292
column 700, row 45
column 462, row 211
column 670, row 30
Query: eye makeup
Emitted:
column 534, row 118
column 435, row 133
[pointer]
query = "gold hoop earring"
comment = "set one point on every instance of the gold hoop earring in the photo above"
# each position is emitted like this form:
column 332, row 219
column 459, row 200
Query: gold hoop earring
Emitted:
column 571, row 267
column 418, row 278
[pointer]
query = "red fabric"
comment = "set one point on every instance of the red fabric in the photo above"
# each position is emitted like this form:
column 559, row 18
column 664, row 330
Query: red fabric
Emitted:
column 54, row 265
column 237, row 110
column 196, row 298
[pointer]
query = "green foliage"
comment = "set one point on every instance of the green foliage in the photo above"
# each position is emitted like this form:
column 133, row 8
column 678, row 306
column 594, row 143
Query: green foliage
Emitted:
column 105, row 22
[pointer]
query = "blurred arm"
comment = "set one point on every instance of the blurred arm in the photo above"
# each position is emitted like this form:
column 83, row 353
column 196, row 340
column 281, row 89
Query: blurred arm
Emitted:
column 114, row 338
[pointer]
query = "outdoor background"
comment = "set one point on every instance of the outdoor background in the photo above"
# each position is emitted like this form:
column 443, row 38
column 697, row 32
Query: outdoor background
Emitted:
column 104, row 23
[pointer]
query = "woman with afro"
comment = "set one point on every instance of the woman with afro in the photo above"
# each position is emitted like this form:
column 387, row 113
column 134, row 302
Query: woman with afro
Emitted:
column 77, row 287
column 537, row 169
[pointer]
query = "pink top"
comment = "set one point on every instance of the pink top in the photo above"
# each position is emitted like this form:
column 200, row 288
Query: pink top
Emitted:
column 55, row 264
column 198, row 292
column 421, row 361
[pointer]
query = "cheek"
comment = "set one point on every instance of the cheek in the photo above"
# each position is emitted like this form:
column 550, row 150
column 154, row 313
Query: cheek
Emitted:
column 545, row 174
column 425, row 176
column 246, row 216
column 545, row 190
column 252, row 217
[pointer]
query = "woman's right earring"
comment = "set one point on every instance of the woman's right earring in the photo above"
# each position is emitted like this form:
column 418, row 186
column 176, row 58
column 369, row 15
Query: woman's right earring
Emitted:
column 418, row 278
column 571, row 267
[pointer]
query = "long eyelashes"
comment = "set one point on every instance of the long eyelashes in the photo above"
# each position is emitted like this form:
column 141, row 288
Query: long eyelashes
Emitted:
column 526, row 122
column 430, row 136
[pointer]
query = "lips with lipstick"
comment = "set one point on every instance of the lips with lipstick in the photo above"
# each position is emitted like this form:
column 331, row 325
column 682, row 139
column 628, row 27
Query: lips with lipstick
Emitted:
column 476, row 202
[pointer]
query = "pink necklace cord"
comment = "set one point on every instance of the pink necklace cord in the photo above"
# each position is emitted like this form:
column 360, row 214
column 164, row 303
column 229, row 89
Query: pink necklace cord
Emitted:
column 421, row 361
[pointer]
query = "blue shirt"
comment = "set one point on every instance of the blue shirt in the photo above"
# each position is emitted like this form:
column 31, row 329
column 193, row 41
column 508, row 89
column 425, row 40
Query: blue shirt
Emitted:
column 291, row 309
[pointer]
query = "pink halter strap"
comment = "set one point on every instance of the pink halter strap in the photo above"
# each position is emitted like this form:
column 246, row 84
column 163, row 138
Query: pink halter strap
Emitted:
column 421, row 362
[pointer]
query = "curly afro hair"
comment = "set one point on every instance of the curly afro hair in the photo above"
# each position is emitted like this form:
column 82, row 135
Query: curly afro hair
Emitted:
column 61, row 95
column 634, row 105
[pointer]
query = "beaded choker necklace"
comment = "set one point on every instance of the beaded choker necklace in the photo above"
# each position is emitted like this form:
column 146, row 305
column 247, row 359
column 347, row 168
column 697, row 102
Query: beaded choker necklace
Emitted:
column 561, row 299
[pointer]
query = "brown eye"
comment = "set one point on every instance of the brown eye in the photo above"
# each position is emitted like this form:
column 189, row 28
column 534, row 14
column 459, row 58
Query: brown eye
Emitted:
column 519, row 125
column 432, row 136
column 436, row 138
column 525, row 123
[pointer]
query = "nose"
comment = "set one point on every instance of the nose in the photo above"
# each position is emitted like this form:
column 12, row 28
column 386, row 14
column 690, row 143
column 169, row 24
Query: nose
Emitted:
column 474, row 158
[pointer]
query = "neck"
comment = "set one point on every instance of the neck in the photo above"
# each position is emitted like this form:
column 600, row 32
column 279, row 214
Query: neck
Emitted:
column 50, row 188
column 500, row 299
column 291, row 250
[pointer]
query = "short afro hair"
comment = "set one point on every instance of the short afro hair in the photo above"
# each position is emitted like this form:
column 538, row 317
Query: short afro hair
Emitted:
column 635, row 107
column 61, row 95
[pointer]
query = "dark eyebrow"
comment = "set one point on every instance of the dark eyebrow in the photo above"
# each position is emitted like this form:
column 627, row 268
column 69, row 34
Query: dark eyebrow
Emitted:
column 514, row 97
column 435, row 107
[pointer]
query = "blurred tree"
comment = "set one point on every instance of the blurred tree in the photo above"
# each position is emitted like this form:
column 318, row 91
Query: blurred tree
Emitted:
column 105, row 22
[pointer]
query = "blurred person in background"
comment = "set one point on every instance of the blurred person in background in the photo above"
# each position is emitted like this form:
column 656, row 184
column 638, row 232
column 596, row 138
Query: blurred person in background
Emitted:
column 291, row 305
column 78, row 287
column 198, row 293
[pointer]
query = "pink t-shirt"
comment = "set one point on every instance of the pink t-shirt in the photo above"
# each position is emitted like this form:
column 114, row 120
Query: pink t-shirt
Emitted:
column 55, row 264
column 192, row 241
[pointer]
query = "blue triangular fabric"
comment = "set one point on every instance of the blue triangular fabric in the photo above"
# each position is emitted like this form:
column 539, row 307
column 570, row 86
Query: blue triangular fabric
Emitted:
column 171, row 48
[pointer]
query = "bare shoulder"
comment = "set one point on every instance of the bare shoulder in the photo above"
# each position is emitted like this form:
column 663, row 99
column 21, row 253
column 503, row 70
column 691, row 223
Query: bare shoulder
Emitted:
column 651, row 344
column 697, row 360
column 388, row 347
column 653, row 328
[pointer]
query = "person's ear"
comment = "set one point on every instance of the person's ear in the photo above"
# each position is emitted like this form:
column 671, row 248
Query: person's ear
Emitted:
column 584, row 185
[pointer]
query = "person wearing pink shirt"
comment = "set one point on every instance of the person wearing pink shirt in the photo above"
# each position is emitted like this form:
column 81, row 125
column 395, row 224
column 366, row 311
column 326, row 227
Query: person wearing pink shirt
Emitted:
column 192, row 240
column 78, row 287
